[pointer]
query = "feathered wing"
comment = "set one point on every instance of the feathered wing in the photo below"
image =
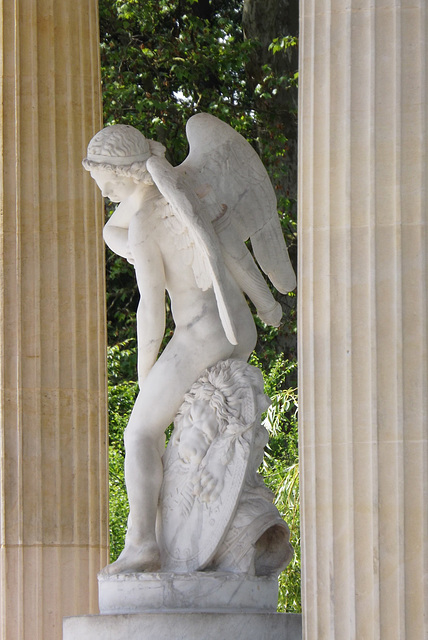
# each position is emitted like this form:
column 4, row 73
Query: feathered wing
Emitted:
column 223, row 167
column 208, row 263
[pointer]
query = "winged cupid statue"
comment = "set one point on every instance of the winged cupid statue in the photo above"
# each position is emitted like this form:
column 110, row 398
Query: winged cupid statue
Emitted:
column 184, row 229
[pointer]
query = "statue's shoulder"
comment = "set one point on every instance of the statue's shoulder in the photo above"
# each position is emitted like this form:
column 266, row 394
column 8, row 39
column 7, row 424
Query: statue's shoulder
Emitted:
column 149, row 208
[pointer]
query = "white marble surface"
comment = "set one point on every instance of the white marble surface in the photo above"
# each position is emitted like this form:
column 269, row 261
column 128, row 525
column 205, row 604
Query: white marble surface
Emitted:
column 215, row 510
column 184, row 229
column 185, row 626
column 197, row 591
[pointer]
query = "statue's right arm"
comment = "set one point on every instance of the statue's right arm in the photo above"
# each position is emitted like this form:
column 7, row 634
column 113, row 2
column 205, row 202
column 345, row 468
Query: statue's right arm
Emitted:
column 116, row 238
column 115, row 231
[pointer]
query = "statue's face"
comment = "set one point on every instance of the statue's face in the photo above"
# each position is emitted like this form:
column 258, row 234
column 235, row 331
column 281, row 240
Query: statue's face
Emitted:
column 199, row 429
column 116, row 188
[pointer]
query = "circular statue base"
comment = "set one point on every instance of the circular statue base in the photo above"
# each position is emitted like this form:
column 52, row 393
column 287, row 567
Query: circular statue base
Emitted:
column 197, row 591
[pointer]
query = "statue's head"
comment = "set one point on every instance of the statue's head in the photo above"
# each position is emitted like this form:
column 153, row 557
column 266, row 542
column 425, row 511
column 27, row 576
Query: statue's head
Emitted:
column 122, row 150
column 225, row 390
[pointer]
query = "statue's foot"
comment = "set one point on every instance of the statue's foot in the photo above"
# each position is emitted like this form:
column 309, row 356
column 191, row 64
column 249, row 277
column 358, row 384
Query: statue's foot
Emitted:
column 272, row 317
column 135, row 559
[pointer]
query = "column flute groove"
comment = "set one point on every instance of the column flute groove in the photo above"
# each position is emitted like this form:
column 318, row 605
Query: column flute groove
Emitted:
column 363, row 319
column 53, row 423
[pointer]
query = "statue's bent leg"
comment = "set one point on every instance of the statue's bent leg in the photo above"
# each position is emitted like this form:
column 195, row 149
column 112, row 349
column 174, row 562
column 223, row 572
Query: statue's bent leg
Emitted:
column 155, row 408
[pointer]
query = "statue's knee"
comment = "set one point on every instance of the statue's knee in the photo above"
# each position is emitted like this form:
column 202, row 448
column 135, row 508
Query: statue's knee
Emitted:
column 133, row 437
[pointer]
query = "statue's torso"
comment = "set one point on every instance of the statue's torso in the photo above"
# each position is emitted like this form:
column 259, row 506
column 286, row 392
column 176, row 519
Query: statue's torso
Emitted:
column 165, row 233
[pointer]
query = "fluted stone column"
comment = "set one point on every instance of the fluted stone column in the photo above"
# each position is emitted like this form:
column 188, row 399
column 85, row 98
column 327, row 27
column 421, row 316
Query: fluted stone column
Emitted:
column 363, row 319
column 53, row 480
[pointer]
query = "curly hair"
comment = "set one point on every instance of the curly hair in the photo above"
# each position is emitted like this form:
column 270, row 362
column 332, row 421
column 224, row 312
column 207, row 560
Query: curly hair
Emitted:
column 122, row 150
column 225, row 388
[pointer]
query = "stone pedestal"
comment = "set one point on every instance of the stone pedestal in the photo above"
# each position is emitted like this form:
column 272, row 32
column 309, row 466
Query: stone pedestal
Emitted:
column 185, row 626
column 241, row 527
column 187, row 592
column 53, row 440
column 192, row 606
column 363, row 331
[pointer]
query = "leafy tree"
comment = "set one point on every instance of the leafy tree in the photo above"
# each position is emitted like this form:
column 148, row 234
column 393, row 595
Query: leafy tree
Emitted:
column 280, row 468
column 272, row 71
column 122, row 392
column 164, row 60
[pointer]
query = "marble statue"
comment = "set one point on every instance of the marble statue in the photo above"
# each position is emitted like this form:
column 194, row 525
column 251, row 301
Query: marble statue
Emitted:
column 184, row 229
column 215, row 511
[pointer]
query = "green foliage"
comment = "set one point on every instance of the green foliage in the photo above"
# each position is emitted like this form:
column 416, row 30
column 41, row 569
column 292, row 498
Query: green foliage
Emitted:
column 270, row 344
column 280, row 469
column 122, row 392
column 288, row 504
column 164, row 60
column 282, row 44
column 118, row 503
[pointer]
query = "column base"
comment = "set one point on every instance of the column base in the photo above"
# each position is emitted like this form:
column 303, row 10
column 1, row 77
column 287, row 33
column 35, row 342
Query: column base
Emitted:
column 185, row 626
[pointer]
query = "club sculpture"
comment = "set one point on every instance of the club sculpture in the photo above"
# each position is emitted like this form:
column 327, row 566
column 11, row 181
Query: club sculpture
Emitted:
column 199, row 504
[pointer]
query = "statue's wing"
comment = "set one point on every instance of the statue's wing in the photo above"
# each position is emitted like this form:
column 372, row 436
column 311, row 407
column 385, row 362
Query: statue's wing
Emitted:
column 220, row 160
column 208, row 263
